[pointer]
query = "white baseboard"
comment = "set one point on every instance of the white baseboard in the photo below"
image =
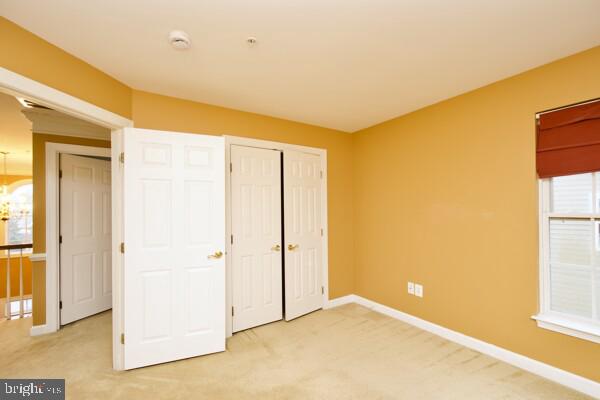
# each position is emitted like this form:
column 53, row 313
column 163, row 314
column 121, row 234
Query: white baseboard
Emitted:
column 340, row 301
column 37, row 330
column 568, row 379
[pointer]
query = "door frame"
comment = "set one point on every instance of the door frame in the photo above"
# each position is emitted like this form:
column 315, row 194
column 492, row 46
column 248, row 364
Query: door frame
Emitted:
column 18, row 85
column 269, row 145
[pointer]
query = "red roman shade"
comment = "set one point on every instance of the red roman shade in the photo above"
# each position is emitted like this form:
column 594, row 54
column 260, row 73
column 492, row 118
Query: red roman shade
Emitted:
column 568, row 141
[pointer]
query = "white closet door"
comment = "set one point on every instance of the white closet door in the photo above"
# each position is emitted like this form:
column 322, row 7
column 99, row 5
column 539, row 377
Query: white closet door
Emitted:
column 302, row 221
column 85, row 229
column 174, row 230
column 256, row 228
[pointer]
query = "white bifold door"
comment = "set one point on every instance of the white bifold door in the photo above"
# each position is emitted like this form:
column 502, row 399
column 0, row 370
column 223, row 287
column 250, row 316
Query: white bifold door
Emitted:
column 256, row 236
column 303, row 240
column 85, row 237
column 174, row 239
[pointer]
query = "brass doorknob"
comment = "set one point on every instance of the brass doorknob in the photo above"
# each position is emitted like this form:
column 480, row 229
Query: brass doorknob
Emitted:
column 276, row 248
column 218, row 254
column 292, row 247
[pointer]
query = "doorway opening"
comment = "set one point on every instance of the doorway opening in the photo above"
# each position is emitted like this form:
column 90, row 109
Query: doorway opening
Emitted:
column 96, row 127
column 83, row 209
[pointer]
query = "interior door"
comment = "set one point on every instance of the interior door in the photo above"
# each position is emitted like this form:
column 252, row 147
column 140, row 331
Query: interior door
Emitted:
column 302, row 233
column 256, row 242
column 174, row 239
column 85, row 237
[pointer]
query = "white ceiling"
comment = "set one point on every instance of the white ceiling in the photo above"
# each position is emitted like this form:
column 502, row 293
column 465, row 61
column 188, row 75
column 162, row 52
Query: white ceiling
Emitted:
column 15, row 137
column 344, row 64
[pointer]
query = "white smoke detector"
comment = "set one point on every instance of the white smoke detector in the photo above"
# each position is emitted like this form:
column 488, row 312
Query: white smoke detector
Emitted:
column 179, row 40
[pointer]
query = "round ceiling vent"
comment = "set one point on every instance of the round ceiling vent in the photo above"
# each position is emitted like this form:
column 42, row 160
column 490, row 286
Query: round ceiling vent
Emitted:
column 179, row 40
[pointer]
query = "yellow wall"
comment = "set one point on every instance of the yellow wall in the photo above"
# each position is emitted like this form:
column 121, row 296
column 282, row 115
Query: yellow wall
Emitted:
column 447, row 197
column 29, row 55
column 167, row 113
column 39, row 214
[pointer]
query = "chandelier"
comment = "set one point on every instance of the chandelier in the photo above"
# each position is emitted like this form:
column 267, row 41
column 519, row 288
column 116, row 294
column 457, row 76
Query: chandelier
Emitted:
column 12, row 205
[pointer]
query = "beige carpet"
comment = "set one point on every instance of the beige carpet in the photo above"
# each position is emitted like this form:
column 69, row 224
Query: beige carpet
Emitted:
column 345, row 353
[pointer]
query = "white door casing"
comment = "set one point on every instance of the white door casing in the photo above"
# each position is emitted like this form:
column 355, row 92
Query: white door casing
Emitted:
column 256, row 236
column 302, row 233
column 85, row 230
column 174, row 239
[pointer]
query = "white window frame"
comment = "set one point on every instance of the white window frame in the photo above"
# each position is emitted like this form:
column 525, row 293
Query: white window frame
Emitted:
column 546, row 318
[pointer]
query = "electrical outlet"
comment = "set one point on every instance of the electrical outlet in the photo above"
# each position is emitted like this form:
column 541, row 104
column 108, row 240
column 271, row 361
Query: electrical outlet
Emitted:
column 418, row 290
column 411, row 288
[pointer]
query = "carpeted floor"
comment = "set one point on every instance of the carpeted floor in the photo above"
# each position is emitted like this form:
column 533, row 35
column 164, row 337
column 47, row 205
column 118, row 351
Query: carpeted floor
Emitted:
column 348, row 352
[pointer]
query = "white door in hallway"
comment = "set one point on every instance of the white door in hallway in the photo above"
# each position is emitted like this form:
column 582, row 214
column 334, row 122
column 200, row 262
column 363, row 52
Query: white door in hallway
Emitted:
column 174, row 239
column 85, row 236
column 302, row 233
column 256, row 242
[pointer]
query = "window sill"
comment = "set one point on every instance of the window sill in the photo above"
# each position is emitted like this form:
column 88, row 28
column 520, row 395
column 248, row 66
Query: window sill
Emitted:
column 568, row 327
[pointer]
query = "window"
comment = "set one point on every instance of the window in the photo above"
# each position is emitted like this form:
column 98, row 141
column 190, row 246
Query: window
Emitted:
column 19, row 227
column 570, row 255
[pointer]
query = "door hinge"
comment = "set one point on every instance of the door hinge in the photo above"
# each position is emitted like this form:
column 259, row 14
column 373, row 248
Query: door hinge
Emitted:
column 321, row 231
column 60, row 239
column 232, row 311
column 231, row 239
column 321, row 172
column 230, row 167
column 60, row 305
column 122, row 158
column 122, row 247
column 322, row 289
column 122, row 338
column 60, row 174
